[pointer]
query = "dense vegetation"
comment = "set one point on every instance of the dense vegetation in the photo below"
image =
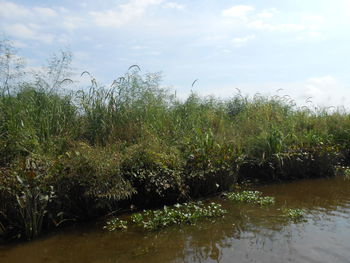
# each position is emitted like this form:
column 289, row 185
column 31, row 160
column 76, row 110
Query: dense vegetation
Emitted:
column 69, row 154
column 179, row 214
column 252, row 197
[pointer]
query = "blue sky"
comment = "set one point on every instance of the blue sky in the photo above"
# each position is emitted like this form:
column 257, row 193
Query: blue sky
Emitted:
column 256, row 46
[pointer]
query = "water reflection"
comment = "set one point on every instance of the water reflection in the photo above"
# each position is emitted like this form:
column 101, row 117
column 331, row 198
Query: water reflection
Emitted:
column 246, row 234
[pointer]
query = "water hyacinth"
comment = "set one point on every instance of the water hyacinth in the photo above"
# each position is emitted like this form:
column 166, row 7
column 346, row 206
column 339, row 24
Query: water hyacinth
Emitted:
column 294, row 214
column 101, row 145
column 187, row 213
column 116, row 224
column 252, row 197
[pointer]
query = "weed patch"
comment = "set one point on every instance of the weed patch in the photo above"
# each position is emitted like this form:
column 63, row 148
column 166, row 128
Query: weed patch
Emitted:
column 103, row 147
column 294, row 214
column 187, row 213
column 251, row 197
column 116, row 224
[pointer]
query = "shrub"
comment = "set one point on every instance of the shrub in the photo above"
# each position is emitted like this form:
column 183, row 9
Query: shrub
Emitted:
column 88, row 179
column 25, row 194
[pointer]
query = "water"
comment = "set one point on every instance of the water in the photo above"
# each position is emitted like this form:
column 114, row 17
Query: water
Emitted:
column 247, row 234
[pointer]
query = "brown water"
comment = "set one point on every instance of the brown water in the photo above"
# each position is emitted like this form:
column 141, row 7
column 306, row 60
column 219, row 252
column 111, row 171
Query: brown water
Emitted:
column 247, row 234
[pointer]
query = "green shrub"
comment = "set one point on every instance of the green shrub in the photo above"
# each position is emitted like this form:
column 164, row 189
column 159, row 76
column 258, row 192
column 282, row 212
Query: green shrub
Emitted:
column 134, row 142
column 26, row 194
column 87, row 179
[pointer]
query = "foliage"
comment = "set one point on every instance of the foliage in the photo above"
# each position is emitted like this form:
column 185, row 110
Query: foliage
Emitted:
column 343, row 171
column 187, row 213
column 251, row 197
column 116, row 224
column 88, row 179
column 294, row 214
column 134, row 142
column 28, row 194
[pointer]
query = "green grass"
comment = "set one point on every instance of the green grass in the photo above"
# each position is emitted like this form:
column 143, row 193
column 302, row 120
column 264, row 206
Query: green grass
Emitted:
column 99, row 148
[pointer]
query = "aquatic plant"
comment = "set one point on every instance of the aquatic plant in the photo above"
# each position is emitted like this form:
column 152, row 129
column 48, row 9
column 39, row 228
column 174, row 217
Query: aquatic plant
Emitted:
column 187, row 213
column 347, row 173
column 116, row 224
column 135, row 142
column 294, row 214
column 28, row 189
column 251, row 197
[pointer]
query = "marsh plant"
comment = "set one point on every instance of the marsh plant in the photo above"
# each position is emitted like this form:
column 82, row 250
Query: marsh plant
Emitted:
column 294, row 214
column 187, row 213
column 251, row 197
column 346, row 172
column 135, row 142
column 116, row 224
column 27, row 187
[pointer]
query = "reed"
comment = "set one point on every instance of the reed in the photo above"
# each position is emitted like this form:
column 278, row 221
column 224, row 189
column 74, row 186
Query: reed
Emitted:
column 104, row 148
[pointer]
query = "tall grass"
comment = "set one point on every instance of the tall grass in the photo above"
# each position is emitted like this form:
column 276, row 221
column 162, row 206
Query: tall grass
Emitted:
column 103, row 148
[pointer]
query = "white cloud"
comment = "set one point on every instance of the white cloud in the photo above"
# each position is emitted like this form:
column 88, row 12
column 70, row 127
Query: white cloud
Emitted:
column 313, row 19
column 123, row 14
column 267, row 13
column 27, row 32
column 37, row 23
column 273, row 20
column 46, row 12
column 261, row 25
column 12, row 11
column 320, row 84
column 323, row 91
column 314, row 34
column 20, row 30
column 241, row 41
column 139, row 47
column 174, row 5
column 238, row 11
column 72, row 22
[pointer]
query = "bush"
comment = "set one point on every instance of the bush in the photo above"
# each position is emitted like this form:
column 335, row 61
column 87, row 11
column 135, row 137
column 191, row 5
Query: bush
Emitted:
column 98, row 149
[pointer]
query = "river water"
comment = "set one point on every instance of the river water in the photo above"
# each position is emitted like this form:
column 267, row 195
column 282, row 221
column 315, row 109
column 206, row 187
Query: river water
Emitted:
column 247, row 233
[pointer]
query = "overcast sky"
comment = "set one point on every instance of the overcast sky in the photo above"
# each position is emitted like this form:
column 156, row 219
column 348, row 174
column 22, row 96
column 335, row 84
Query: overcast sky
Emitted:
column 301, row 46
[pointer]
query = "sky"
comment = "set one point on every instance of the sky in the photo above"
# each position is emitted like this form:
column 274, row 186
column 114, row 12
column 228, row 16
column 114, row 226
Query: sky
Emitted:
column 299, row 46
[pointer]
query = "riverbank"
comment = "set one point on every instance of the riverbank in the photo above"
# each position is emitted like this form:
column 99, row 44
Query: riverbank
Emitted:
column 247, row 233
column 75, row 156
